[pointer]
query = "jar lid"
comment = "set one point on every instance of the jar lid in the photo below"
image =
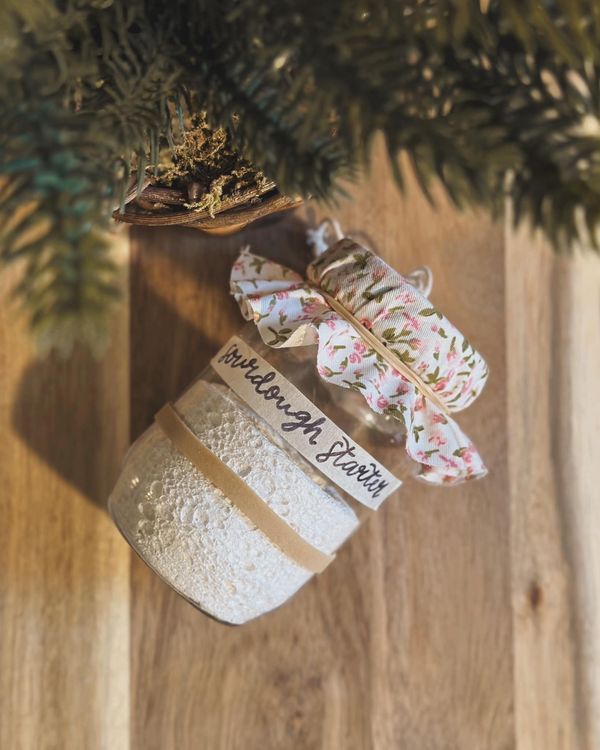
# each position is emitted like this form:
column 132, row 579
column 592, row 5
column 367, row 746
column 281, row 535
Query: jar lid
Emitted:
column 378, row 335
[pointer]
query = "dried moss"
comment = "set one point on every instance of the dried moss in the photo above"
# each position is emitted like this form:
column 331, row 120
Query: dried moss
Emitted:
column 206, row 167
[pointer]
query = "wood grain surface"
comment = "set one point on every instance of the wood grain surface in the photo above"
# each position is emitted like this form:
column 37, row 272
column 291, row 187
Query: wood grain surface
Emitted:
column 455, row 619
column 64, row 572
column 553, row 327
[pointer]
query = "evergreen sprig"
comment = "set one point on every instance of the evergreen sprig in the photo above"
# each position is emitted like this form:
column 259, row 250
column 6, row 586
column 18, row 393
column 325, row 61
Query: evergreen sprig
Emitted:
column 496, row 99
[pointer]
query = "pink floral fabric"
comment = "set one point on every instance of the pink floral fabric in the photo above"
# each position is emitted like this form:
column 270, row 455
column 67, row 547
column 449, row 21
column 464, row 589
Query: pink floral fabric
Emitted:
column 290, row 311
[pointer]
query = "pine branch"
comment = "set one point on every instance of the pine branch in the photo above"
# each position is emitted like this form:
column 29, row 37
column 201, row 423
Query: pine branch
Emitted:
column 267, row 123
column 52, row 219
column 492, row 98
column 65, row 152
column 460, row 91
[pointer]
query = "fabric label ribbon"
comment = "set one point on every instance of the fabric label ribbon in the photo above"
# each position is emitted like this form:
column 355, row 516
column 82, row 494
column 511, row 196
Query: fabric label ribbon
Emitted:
column 302, row 424
column 239, row 493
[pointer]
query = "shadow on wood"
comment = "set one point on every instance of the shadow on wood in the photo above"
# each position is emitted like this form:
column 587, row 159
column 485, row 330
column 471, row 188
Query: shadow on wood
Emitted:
column 63, row 429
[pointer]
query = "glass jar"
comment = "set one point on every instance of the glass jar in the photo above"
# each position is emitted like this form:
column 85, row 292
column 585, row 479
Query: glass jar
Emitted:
column 195, row 538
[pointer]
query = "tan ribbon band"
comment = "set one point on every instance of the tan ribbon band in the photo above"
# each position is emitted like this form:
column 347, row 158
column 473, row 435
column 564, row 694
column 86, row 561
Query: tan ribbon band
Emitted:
column 240, row 494
column 392, row 360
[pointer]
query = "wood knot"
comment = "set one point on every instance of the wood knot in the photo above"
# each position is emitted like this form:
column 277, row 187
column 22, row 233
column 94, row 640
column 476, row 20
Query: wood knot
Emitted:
column 535, row 595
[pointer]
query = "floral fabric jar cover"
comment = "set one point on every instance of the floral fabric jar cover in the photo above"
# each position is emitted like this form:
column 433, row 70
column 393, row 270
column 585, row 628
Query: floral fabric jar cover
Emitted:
column 291, row 311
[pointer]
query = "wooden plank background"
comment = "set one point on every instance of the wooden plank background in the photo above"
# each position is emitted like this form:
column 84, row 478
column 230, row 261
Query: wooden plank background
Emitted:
column 463, row 618
column 64, row 573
